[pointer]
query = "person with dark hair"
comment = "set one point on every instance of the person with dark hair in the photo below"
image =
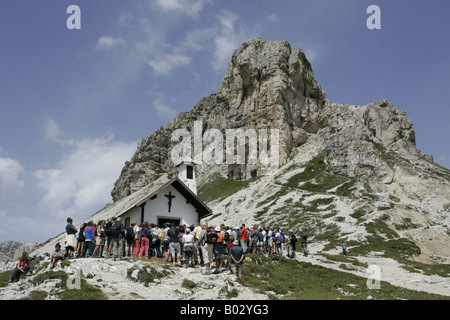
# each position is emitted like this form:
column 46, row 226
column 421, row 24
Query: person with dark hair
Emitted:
column 174, row 243
column 145, row 239
column 344, row 248
column 304, row 242
column 244, row 238
column 129, row 238
column 81, row 238
column 71, row 238
column 100, row 239
column 57, row 255
column 89, row 239
column 156, row 241
column 23, row 267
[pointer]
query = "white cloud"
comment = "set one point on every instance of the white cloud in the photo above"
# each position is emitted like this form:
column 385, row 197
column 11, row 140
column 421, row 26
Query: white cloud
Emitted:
column 51, row 129
column 164, row 64
column 227, row 39
column 11, row 184
column 191, row 8
column 81, row 182
column 107, row 43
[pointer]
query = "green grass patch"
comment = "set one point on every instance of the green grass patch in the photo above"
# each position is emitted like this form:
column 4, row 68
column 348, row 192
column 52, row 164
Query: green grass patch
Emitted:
column 317, row 177
column 219, row 188
column 147, row 274
column 293, row 280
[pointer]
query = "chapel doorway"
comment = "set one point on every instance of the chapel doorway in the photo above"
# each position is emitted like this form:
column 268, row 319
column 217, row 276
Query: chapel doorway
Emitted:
column 162, row 221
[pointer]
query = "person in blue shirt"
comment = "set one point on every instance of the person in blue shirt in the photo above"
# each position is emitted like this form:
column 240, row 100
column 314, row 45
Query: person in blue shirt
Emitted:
column 89, row 239
column 237, row 257
column 344, row 248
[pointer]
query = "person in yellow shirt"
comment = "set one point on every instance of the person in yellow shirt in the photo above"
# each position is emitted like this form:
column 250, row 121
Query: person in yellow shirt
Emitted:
column 197, row 251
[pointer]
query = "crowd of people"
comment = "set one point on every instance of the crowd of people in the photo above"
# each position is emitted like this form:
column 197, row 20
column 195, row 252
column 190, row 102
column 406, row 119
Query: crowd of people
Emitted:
column 213, row 247
column 190, row 245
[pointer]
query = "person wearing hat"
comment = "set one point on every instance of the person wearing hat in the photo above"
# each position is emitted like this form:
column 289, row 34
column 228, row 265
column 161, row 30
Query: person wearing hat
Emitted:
column 188, row 246
column 219, row 249
column 237, row 257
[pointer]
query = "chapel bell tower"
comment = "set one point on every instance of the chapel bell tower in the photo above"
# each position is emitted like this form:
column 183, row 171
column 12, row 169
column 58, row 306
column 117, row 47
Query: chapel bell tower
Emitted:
column 186, row 173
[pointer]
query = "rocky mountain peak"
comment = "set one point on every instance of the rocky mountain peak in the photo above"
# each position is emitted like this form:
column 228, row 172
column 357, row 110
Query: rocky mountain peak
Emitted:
column 269, row 85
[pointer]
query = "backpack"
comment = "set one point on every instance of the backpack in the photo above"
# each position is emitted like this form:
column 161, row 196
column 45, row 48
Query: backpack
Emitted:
column 108, row 228
column 145, row 232
column 281, row 237
column 294, row 239
column 226, row 237
column 116, row 230
column 130, row 234
column 81, row 236
column 211, row 236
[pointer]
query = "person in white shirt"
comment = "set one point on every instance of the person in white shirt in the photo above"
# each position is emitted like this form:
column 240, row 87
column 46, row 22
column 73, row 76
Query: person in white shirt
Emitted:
column 188, row 246
column 137, row 239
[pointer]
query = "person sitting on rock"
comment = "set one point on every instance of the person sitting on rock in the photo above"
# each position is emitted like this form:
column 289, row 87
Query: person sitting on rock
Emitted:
column 23, row 266
column 57, row 255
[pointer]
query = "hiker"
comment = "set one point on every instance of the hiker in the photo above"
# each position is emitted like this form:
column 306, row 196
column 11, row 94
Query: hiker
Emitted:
column 292, row 240
column 137, row 239
column 156, row 241
column 219, row 249
column 23, row 266
column 188, row 246
column 197, row 249
column 237, row 257
column 145, row 239
column 304, row 242
column 261, row 240
column 89, row 239
column 109, row 239
column 71, row 238
column 344, row 248
column 278, row 241
column 99, row 239
column 80, row 238
column 129, row 238
column 269, row 240
column 206, row 247
column 182, row 232
column 118, row 233
column 174, row 244
column 244, row 238
column 166, row 242
column 57, row 255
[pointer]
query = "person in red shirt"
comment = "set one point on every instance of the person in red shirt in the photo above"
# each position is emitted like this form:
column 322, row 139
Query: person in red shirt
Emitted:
column 23, row 266
column 243, row 239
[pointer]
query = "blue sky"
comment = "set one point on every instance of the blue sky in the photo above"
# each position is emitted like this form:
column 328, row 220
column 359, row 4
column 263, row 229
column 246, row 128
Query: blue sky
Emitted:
column 75, row 103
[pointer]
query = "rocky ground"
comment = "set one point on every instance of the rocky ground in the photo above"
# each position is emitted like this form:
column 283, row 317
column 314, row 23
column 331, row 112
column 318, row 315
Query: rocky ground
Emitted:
column 122, row 280
column 119, row 281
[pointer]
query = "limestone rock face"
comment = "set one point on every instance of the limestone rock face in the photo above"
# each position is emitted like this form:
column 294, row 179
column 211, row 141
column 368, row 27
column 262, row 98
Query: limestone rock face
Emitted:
column 12, row 250
column 269, row 85
column 7, row 250
column 27, row 246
